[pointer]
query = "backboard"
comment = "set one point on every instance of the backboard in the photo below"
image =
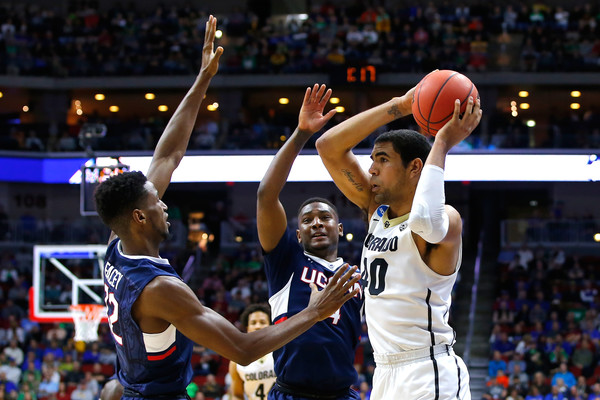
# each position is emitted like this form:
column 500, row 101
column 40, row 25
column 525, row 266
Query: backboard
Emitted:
column 65, row 275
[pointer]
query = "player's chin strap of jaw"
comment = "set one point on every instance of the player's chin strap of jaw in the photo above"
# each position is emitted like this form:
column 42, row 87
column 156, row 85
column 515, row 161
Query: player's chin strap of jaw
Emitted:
column 428, row 217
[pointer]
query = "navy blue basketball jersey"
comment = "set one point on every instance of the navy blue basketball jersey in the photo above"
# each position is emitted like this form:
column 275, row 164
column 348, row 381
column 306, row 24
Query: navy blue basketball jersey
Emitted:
column 321, row 358
column 150, row 364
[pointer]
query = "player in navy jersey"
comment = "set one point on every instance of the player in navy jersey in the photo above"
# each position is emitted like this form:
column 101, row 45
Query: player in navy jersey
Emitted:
column 154, row 317
column 412, row 253
column 319, row 363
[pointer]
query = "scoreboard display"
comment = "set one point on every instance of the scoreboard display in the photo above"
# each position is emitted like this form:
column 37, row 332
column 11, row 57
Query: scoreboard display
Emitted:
column 91, row 177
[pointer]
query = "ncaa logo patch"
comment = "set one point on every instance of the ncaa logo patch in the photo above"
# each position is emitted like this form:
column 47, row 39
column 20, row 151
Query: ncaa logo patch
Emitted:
column 403, row 226
column 381, row 210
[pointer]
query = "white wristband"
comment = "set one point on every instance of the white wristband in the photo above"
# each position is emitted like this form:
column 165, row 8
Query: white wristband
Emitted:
column 428, row 217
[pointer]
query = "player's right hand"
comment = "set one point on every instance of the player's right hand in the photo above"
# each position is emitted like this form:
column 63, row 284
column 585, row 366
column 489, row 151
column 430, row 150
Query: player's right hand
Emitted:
column 210, row 59
column 458, row 129
column 339, row 290
column 311, row 118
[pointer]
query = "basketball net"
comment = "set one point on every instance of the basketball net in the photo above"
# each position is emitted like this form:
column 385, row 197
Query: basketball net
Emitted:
column 86, row 318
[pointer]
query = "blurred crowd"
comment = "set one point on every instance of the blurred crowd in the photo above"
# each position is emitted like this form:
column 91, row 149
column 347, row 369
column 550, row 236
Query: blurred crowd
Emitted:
column 545, row 341
column 125, row 40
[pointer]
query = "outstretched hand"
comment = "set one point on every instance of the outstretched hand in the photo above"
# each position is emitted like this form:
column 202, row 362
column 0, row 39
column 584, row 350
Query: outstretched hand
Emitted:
column 311, row 118
column 210, row 58
column 458, row 129
column 339, row 290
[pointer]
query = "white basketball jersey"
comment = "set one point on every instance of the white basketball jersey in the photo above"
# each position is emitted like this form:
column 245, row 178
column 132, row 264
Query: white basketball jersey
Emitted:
column 258, row 377
column 406, row 303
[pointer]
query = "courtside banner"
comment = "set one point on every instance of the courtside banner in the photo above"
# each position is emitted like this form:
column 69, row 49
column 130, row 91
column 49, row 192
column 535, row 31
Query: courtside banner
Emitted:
column 309, row 168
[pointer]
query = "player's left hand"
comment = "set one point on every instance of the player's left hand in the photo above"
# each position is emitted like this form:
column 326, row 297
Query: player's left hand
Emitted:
column 311, row 118
column 458, row 129
column 210, row 58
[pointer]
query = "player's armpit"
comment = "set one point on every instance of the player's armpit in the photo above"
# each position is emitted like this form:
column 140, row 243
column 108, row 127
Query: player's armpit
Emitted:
column 443, row 257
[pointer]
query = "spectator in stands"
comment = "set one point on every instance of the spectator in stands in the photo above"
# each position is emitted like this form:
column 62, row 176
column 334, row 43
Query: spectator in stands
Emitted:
column 516, row 360
column 575, row 395
column 534, row 394
column 57, row 332
column 519, row 379
column 504, row 346
column 63, row 393
column 514, row 394
column 11, row 371
column 83, row 392
column 55, row 350
column 91, row 354
column 98, row 375
column 31, row 377
column 76, row 374
column 14, row 351
column 6, row 387
column 496, row 390
column 566, row 375
column 503, row 314
column 211, row 387
column 595, row 392
column 555, row 394
column 557, row 355
column 32, row 358
column 496, row 364
column 581, row 387
column 583, row 356
column 48, row 385
column 11, row 311
column 539, row 382
column 588, row 292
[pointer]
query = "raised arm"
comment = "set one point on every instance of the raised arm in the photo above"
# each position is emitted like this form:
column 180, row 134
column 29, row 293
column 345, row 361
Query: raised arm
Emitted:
column 271, row 220
column 430, row 218
column 174, row 140
column 171, row 300
column 335, row 147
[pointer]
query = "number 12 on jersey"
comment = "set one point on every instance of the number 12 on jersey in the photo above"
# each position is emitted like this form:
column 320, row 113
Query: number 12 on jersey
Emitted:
column 113, row 318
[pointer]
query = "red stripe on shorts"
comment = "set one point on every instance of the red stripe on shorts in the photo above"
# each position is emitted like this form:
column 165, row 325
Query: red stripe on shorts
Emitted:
column 162, row 356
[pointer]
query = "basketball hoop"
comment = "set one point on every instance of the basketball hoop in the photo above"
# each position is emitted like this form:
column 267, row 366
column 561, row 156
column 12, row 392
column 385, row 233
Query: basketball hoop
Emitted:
column 87, row 317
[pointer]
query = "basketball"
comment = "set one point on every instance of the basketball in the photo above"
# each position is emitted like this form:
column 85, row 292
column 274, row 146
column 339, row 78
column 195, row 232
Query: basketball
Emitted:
column 433, row 100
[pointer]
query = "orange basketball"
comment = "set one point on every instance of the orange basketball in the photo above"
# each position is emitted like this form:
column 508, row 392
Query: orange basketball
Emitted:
column 433, row 100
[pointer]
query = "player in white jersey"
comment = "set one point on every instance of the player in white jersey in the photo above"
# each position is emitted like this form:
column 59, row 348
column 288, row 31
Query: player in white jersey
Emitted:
column 412, row 252
column 256, row 379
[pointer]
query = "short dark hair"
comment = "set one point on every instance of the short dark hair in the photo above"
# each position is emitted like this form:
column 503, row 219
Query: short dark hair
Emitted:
column 252, row 308
column 408, row 143
column 318, row 200
column 119, row 195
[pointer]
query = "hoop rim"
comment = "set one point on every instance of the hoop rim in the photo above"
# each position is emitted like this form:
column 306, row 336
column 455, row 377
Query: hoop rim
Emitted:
column 84, row 306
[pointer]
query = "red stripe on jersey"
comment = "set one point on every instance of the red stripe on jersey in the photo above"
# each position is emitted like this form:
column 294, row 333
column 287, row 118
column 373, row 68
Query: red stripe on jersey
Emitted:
column 162, row 356
column 280, row 320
